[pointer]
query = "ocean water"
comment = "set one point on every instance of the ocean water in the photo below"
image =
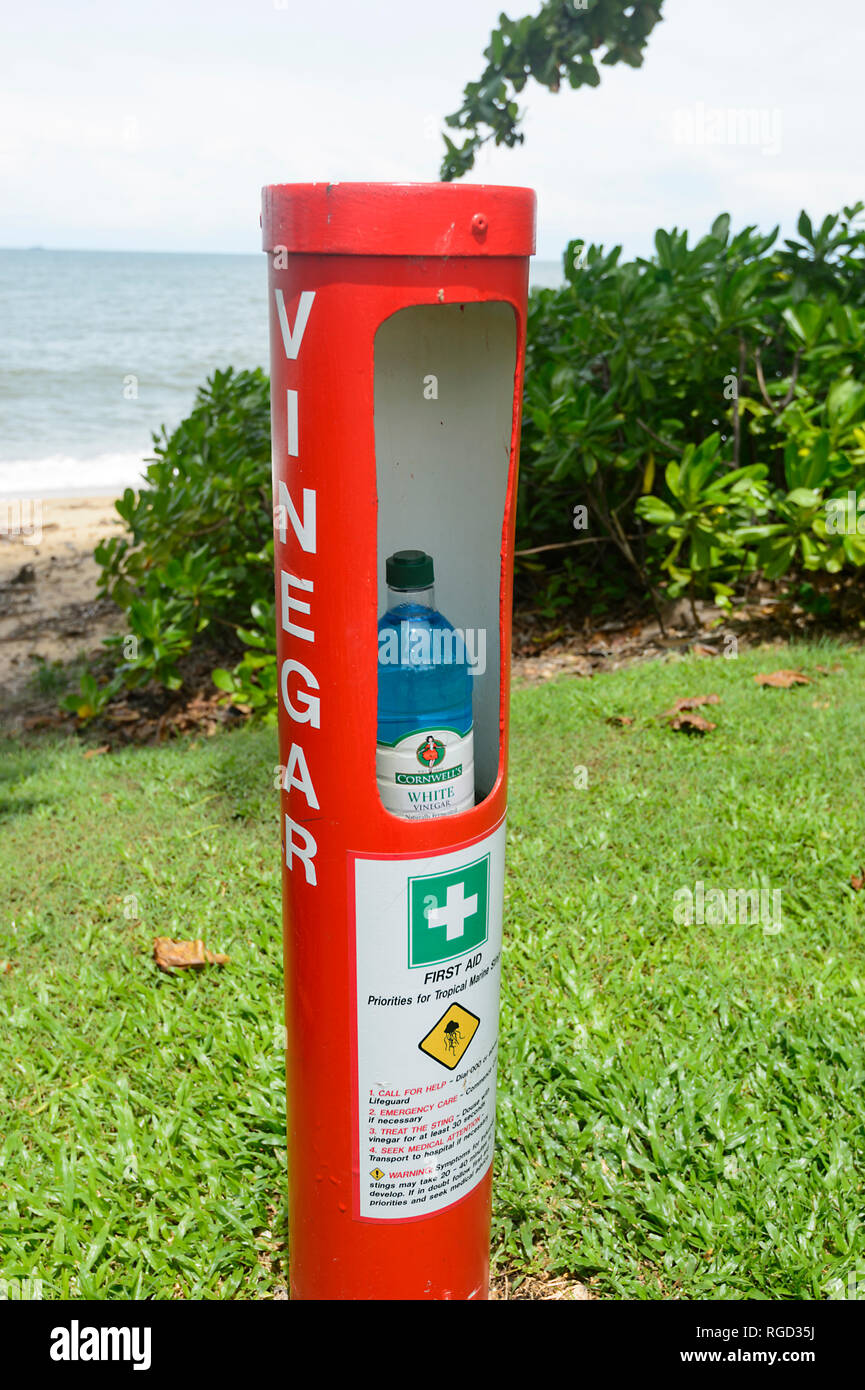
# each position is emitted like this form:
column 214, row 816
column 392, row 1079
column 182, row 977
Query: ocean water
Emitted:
column 98, row 349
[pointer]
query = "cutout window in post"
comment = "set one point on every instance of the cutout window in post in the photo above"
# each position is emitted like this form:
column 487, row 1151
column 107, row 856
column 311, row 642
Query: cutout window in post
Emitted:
column 444, row 386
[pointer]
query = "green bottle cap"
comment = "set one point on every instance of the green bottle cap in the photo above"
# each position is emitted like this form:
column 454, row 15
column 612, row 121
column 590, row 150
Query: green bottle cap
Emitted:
column 409, row 569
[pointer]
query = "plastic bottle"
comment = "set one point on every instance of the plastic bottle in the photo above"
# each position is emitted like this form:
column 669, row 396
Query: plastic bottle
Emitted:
column 424, row 750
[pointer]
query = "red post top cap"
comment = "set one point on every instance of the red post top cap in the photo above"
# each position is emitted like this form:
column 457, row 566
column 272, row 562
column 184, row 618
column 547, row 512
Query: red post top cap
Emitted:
column 399, row 219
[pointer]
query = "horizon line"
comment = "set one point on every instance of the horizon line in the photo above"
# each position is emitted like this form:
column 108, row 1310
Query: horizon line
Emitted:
column 126, row 251
column 138, row 251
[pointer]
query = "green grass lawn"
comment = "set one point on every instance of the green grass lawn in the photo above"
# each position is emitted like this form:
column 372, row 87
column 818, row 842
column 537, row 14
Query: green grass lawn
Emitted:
column 680, row 1106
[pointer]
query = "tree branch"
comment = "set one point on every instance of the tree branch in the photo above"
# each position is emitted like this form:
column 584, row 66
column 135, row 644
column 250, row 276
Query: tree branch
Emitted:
column 737, row 409
column 584, row 540
column 794, row 376
column 665, row 443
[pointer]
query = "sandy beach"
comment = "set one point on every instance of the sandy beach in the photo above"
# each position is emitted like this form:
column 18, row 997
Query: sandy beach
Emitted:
column 49, row 605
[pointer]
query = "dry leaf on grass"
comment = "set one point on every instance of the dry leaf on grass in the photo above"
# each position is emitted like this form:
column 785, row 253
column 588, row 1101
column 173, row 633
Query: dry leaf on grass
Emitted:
column 621, row 720
column 181, row 955
column 691, row 702
column 701, row 649
column 782, row 680
column 94, row 752
column 857, row 881
column 539, row 1288
column 122, row 714
column 44, row 721
column 691, row 723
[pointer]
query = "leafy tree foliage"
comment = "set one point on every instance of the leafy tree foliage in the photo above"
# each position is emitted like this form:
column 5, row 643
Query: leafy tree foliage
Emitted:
column 705, row 405
column 557, row 45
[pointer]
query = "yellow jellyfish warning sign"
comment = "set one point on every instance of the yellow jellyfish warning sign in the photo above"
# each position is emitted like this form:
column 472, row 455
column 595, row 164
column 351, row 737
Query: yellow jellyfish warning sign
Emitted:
column 448, row 1040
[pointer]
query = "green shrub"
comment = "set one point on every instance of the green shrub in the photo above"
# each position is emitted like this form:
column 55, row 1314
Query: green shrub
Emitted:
column 651, row 385
column 253, row 684
column 705, row 407
column 199, row 548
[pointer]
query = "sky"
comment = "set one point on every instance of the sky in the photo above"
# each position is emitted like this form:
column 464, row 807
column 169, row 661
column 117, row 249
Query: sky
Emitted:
column 153, row 126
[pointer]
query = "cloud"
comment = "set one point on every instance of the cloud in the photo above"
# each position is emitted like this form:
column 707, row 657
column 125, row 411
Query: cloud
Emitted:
column 154, row 127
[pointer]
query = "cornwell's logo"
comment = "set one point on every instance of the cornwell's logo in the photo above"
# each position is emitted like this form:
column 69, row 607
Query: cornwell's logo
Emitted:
column 429, row 754
column 76, row 1343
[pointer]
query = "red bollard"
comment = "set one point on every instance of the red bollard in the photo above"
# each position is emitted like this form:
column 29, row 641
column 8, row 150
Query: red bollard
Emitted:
column 397, row 329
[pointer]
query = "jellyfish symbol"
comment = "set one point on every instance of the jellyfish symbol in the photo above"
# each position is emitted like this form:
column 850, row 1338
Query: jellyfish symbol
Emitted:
column 430, row 752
